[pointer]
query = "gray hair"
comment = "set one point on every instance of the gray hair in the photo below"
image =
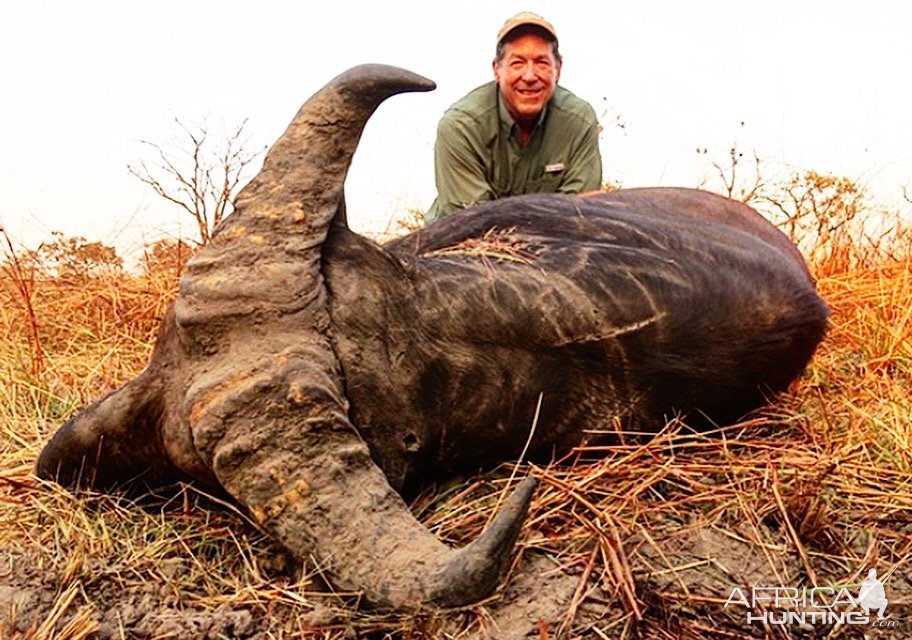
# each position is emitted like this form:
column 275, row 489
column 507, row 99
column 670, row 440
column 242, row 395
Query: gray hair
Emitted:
column 521, row 31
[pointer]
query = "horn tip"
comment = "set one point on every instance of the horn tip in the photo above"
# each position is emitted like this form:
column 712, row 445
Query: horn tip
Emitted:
column 477, row 568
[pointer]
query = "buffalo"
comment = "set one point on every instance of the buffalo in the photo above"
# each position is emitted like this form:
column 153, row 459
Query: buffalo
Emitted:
column 314, row 375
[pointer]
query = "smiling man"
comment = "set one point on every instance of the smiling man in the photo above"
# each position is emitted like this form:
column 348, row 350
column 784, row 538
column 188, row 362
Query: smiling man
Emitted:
column 521, row 133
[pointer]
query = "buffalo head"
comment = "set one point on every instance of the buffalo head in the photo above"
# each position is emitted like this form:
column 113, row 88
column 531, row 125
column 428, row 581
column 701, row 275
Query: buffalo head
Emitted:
column 313, row 374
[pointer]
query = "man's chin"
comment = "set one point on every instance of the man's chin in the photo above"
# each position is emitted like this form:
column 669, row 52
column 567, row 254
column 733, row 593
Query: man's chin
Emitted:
column 531, row 110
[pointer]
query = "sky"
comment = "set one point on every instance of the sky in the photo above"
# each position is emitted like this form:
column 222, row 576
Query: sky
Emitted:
column 804, row 84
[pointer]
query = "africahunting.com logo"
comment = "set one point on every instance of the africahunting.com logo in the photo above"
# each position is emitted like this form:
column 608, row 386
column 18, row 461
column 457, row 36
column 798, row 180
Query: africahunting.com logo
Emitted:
column 819, row 605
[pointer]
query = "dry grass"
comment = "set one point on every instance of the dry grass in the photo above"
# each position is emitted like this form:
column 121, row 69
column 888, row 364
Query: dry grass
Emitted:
column 496, row 244
column 648, row 536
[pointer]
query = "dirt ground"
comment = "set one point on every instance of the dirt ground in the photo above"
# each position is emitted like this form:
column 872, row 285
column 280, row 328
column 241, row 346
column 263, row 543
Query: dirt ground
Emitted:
column 666, row 581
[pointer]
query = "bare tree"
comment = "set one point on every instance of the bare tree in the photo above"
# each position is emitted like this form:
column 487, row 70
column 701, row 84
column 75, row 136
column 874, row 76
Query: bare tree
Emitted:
column 817, row 206
column 744, row 189
column 199, row 175
column 739, row 178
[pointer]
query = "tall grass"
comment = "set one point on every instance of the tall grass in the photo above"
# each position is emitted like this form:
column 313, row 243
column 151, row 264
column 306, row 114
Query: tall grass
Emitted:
column 651, row 535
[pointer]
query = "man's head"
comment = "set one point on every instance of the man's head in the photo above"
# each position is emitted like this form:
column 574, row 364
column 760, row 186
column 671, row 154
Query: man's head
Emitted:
column 527, row 66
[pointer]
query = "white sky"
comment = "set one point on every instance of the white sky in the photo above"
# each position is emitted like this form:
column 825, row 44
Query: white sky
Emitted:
column 819, row 85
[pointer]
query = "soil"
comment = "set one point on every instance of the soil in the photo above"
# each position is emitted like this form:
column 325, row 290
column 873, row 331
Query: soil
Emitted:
column 29, row 599
column 681, row 582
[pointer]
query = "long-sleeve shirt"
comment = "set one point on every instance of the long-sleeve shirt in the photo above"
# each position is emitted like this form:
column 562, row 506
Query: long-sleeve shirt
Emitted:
column 478, row 155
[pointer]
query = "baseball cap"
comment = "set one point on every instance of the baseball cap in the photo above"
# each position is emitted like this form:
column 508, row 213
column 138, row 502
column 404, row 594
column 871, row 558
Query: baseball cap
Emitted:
column 523, row 19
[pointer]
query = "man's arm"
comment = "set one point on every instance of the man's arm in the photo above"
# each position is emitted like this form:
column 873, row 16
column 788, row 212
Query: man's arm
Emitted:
column 584, row 168
column 458, row 169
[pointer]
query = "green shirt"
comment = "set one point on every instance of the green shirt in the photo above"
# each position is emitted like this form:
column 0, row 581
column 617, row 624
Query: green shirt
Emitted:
column 478, row 156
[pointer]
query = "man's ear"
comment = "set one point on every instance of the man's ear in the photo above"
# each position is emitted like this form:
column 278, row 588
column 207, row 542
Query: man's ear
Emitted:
column 496, row 68
column 560, row 64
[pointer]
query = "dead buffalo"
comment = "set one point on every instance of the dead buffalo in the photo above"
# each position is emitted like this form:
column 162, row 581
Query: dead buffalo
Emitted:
column 312, row 373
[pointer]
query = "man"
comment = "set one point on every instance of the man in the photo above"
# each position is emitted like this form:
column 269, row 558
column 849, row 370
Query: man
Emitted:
column 521, row 133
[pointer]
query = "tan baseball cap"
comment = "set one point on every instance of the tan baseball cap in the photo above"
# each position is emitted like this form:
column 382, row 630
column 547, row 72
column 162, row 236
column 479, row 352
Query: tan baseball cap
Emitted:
column 522, row 19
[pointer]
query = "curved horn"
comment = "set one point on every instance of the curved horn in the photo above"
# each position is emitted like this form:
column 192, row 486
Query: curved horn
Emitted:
column 266, row 402
column 279, row 440
column 307, row 166
column 267, row 253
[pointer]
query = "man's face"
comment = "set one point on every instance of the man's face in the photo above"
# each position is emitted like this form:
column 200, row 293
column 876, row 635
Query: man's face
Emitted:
column 527, row 74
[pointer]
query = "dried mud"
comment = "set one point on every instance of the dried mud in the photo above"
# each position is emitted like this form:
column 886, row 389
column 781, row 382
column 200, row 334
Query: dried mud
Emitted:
column 681, row 581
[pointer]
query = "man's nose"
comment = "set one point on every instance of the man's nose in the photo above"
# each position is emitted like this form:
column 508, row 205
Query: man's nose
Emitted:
column 528, row 73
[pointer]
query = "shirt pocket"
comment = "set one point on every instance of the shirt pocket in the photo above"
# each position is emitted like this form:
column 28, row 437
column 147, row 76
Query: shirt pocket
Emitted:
column 549, row 178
